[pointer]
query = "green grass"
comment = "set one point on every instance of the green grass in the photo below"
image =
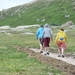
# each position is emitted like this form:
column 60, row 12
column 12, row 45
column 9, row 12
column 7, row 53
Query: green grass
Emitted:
column 14, row 62
column 43, row 9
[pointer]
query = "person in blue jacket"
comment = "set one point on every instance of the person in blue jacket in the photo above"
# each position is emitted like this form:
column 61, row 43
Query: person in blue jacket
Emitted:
column 39, row 34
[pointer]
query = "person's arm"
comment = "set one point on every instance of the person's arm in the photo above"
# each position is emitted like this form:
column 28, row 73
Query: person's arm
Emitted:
column 43, row 33
column 37, row 33
column 51, row 37
column 65, row 37
column 56, row 39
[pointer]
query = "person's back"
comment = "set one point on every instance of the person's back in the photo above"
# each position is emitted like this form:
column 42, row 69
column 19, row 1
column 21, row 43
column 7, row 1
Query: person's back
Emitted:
column 47, row 32
column 61, row 42
column 39, row 33
column 61, row 36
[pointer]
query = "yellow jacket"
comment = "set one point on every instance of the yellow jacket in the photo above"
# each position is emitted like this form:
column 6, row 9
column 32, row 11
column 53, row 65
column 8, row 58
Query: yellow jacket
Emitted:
column 61, row 36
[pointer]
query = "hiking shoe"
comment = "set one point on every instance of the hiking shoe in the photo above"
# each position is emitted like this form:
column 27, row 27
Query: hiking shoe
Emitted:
column 47, row 53
column 59, row 55
column 63, row 56
column 41, row 51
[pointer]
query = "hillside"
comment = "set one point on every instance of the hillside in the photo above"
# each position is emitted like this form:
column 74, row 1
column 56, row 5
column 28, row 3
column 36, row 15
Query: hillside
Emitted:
column 39, row 12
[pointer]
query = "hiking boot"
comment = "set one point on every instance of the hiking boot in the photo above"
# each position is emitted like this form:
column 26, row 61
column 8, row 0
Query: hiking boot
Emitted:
column 41, row 51
column 59, row 55
column 47, row 53
column 63, row 56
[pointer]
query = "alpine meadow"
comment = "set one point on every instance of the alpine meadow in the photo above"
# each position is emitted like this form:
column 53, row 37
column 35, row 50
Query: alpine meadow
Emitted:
column 18, row 26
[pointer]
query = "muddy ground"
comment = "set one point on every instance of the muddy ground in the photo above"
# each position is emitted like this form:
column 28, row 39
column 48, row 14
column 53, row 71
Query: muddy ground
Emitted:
column 66, row 68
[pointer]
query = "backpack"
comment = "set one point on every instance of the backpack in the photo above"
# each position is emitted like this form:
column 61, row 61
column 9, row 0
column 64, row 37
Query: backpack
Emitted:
column 61, row 37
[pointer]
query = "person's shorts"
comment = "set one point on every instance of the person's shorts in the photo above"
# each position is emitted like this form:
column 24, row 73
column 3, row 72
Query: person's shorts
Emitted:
column 46, row 42
column 41, row 40
column 61, row 44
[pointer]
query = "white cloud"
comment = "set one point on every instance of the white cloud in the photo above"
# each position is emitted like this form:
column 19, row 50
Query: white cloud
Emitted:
column 5, row 4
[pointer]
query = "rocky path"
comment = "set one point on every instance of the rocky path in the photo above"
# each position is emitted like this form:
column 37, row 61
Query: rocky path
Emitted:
column 66, row 64
column 69, row 60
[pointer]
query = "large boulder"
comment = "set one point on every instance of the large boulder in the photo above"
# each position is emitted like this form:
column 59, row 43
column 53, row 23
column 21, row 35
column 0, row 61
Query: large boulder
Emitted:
column 69, row 23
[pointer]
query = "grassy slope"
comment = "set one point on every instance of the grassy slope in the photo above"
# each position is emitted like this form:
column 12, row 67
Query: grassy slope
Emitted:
column 14, row 62
column 19, row 63
column 41, row 9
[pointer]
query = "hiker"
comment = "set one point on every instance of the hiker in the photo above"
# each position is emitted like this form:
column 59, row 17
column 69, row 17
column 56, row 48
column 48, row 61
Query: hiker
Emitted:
column 39, row 37
column 61, row 42
column 47, row 35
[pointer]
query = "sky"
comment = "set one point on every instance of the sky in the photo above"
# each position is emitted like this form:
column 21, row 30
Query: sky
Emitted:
column 5, row 4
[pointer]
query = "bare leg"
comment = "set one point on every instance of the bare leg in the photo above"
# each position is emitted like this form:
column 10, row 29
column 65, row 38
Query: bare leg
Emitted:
column 46, row 50
column 62, row 51
column 59, row 52
column 40, row 47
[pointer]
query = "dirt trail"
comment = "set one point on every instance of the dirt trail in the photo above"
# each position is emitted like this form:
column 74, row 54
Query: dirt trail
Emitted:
column 67, row 59
column 66, row 65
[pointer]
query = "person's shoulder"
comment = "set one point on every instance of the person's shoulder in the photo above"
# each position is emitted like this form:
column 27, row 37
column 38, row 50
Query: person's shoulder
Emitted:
column 58, row 33
column 50, row 29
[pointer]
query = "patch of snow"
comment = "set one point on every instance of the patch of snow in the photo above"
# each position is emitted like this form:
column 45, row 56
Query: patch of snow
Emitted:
column 28, row 33
column 5, row 27
column 20, row 28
